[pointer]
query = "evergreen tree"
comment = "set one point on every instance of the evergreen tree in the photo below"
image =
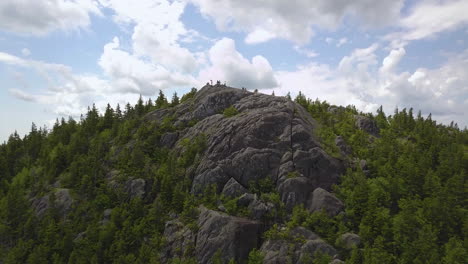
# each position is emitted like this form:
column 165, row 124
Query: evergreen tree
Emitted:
column 175, row 99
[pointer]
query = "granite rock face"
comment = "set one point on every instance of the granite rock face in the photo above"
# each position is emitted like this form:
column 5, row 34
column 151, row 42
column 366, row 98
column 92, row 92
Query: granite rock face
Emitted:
column 269, row 138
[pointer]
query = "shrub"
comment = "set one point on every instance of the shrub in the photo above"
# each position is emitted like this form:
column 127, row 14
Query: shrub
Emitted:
column 230, row 111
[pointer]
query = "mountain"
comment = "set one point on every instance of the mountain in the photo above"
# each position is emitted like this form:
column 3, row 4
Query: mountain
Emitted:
column 224, row 175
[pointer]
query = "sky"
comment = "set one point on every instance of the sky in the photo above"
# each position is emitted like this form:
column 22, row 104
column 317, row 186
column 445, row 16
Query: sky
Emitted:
column 57, row 57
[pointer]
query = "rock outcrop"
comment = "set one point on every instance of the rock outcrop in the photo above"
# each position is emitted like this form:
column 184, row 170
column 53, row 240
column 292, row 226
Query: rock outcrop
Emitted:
column 233, row 237
column 345, row 149
column 323, row 200
column 368, row 125
column 270, row 137
column 135, row 188
column 300, row 245
column 349, row 240
column 62, row 202
column 179, row 241
column 233, row 189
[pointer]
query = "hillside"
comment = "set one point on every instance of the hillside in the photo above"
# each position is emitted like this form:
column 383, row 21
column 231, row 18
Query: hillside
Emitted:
column 224, row 175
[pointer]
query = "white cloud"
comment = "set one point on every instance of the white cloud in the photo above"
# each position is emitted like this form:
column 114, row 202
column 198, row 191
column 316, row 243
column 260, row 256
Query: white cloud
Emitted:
column 341, row 42
column 362, row 80
column 392, row 60
column 26, row 52
column 316, row 81
column 259, row 36
column 294, row 20
column 308, row 53
column 68, row 93
column 32, row 17
column 157, row 31
column 227, row 64
column 129, row 73
column 428, row 18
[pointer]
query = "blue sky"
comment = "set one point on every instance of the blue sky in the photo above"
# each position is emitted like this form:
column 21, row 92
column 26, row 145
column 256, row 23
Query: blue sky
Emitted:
column 59, row 56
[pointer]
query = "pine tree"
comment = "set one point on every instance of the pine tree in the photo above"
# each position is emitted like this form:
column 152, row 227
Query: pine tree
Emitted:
column 175, row 99
column 161, row 101
column 139, row 107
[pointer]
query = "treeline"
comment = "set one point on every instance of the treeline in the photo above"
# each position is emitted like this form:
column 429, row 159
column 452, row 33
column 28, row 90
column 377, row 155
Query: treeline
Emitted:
column 409, row 204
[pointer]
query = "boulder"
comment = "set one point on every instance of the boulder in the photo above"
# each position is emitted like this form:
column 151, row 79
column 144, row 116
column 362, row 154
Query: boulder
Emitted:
column 259, row 209
column 349, row 240
column 276, row 252
column 246, row 199
column 301, row 232
column 135, row 188
column 299, row 245
column 367, row 124
column 294, row 191
column 341, row 144
column 179, row 241
column 233, row 237
column 323, row 200
column 311, row 247
column 233, row 189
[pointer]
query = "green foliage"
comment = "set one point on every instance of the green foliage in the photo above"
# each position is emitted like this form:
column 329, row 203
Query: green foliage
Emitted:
column 255, row 257
column 230, row 111
column 263, row 185
column 188, row 95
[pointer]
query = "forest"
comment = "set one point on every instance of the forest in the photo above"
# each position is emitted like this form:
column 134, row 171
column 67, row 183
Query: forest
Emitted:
column 408, row 205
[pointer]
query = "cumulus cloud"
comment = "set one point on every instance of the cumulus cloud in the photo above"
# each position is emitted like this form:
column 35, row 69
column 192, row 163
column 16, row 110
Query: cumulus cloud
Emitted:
column 307, row 52
column 227, row 64
column 129, row 73
column 428, row 18
column 157, row 31
column 294, row 20
column 31, row 17
column 361, row 79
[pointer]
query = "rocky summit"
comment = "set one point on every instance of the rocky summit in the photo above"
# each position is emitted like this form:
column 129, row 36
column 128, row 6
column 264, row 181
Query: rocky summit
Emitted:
column 268, row 138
